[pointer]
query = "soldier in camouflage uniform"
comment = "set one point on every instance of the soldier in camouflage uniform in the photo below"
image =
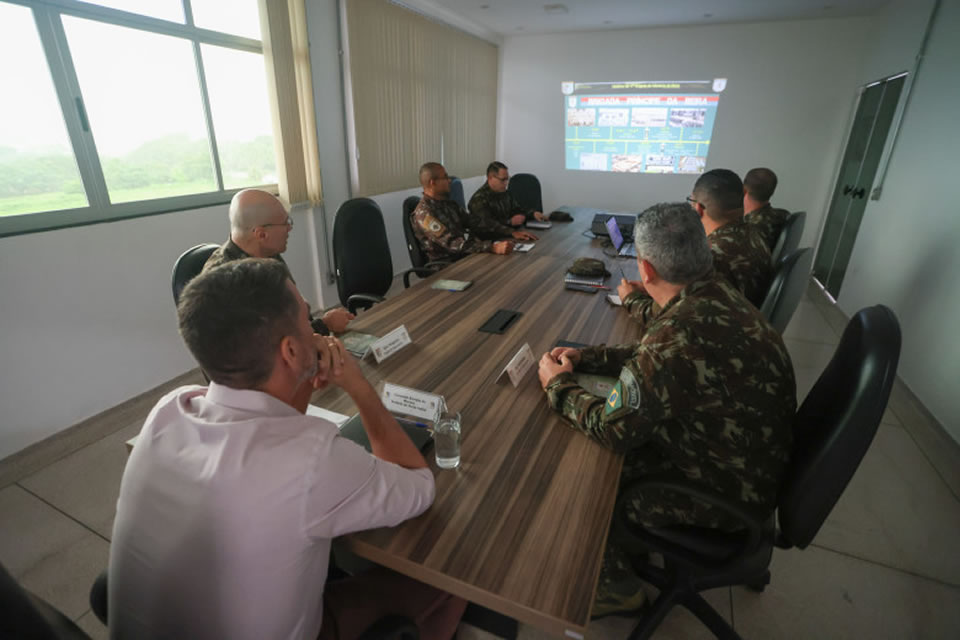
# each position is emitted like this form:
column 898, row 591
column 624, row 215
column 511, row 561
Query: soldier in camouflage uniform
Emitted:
column 494, row 212
column 706, row 397
column 259, row 228
column 758, row 187
column 441, row 225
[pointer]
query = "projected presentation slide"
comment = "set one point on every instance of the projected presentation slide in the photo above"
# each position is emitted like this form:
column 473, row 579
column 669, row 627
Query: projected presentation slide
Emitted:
column 640, row 127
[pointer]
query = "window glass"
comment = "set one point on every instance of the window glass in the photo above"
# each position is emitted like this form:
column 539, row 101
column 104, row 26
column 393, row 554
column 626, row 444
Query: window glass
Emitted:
column 237, row 85
column 238, row 17
column 164, row 9
column 142, row 97
column 38, row 171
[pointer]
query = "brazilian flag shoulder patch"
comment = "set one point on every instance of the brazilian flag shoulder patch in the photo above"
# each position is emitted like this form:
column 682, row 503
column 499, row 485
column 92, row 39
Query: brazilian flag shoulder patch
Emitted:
column 615, row 399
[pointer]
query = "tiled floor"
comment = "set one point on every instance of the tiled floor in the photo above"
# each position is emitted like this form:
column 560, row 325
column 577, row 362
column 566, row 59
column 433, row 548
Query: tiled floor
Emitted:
column 885, row 564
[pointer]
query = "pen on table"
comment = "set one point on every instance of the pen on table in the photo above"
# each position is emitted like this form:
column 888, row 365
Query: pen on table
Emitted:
column 414, row 423
column 622, row 273
column 599, row 286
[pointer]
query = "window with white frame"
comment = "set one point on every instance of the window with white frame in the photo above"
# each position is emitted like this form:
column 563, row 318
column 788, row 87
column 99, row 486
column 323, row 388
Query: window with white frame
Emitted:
column 120, row 108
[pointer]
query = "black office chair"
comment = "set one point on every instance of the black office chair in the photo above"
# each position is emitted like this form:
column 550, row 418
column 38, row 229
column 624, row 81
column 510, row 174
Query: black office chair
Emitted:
column 456, row 191
column 24, row 615
column 832, row 431
column 361, row 255
column 789, row 238
column 787, row 287
column 391, row 627
column 421, row 266
column 525, row 187
column 188, row 266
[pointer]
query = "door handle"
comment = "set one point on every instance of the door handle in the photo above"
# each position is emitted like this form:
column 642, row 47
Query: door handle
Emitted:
column 859, row 193
column 847, row 189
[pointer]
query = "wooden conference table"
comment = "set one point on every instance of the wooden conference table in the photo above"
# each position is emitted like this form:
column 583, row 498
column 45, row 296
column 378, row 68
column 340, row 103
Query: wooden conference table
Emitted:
column 521, row 525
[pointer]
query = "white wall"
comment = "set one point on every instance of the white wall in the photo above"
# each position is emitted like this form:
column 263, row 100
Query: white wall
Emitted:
column 790, row 93
column 906, row 255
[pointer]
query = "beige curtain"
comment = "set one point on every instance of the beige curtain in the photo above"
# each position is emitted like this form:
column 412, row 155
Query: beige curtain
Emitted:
column 421, row 91
column 287, row 58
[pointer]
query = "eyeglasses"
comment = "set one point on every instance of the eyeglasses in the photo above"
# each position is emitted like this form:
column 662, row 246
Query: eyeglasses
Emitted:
column 288, row 223
column 507, row 179
column 691, row 201
column 439, row 178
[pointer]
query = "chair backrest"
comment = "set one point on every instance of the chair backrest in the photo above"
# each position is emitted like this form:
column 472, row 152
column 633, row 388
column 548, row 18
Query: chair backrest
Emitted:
column 525, row 187
column 789, row 238
column 361, row 252
column 456, row 191
column 188, row 266
column 417, row 258
column 786, row 288
column 837, row 422
column 24, row 615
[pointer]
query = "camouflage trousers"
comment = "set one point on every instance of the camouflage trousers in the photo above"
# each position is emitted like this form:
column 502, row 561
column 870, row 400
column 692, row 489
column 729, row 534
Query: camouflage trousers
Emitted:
column 619, row 588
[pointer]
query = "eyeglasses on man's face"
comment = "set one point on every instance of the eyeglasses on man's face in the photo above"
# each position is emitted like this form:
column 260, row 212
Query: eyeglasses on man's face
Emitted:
column 505, row 178
column 692, row 202
column 288, row 223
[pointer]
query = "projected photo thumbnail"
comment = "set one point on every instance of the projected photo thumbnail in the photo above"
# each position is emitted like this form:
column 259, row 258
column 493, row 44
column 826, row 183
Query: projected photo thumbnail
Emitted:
column 640, row 127
column 687, row 117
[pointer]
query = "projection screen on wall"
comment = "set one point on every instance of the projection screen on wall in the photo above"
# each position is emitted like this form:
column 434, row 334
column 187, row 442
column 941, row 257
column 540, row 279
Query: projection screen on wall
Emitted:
column 640, row 127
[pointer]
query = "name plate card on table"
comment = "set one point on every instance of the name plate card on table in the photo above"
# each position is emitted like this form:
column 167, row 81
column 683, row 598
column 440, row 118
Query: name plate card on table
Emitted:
column 405, row 401
column 519, row 365
column 390, row 344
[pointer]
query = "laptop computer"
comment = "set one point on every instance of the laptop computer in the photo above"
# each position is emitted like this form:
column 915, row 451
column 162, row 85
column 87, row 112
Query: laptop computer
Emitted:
column 622, row 247
column 625, row 220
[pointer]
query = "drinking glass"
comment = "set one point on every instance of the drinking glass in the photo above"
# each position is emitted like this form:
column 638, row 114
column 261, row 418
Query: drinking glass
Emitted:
column 446, row 440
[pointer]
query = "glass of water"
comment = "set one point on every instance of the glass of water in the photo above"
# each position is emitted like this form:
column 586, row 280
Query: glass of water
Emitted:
column 446, row 440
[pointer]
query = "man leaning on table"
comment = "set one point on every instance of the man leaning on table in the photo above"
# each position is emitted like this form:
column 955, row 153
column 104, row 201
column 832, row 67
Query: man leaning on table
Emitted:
column 232, row 494
column 441, row 224
column 259, row 228
column 494, row 212
column 706, row 396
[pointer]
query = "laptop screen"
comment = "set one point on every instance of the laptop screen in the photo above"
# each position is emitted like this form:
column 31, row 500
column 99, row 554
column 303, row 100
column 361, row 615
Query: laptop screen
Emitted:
column 615, row 236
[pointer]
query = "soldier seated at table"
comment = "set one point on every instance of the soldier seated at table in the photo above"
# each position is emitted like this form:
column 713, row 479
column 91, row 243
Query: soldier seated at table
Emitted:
column 758, row 187
column 441, row 224
column 494, row 212
column 706, row 396
column 739, row 253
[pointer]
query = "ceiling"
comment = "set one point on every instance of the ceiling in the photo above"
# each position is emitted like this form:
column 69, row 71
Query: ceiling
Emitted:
column 520, row 17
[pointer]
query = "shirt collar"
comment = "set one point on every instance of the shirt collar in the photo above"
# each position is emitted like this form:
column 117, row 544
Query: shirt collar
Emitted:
column 249, row 400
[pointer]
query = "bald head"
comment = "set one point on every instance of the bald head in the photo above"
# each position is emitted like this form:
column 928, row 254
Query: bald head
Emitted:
column 258, row 223
column 252, row 207
column 434, row 180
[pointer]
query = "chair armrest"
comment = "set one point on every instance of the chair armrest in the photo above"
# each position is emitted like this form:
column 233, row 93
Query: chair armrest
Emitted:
column 422, row 272
column 362, row 301
column 437, row 264
column 755, row 529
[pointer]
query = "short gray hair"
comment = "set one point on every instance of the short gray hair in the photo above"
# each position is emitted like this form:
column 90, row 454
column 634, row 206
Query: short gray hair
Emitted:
column 670, row 236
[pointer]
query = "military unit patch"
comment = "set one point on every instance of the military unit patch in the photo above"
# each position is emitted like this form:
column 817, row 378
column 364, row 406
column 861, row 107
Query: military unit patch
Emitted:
column 630, row 388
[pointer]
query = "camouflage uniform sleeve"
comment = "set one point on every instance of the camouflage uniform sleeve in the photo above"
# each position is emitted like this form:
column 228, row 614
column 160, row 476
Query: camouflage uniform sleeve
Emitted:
column 641, row 307
column 516, row 207
column 647, row 396
column 483, row 221
column 604, row 360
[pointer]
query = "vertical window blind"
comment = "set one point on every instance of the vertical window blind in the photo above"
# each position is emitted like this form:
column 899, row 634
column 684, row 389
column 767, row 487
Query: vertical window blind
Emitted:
column 420, row 91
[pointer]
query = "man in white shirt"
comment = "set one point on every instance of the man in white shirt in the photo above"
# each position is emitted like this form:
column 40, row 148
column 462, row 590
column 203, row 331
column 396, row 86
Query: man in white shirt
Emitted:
column 232, row 494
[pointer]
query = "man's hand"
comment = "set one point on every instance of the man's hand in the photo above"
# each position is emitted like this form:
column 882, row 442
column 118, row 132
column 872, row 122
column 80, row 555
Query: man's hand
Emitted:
column 550, row 367
column 330, row 354
column 517, row 220
column 539, row 215
column 626, row 287
column 524, row 235
column 337, row 319
column 502, row 247
column 573, row 355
